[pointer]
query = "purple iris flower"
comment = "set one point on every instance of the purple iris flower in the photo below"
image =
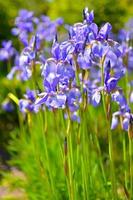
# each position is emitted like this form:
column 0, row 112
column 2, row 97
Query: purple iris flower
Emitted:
column 27, row 23
column 96, row 98
column 78, row 59
column 84, row 61
column 99, row 50
column 79, row 32
column 119, row 98
column 24, row 25
column 21, row 68
column 7, row 50
column 46, row 29
column 14, row 68
column 52, row 100
column 7, row 106
column 23, row 62
column 67, row 49
column 57, row 101
column 30, row 94
column 24, row 22
column 110, row 82
column 28, row 104
column 25, row 106
column 74, row 99
column 126, row 120
column 57, row 75
column 49, row 72
column 71, row 99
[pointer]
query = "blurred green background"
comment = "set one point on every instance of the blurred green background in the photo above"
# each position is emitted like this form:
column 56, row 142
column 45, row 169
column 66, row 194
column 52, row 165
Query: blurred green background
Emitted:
column 117, row 12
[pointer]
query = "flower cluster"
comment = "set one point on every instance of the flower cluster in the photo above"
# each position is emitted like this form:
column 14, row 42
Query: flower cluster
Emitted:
column 7, row 50
column 34, row 33
column 81, row 70
column 27, row 104
column 83, row 67
column 26, row 23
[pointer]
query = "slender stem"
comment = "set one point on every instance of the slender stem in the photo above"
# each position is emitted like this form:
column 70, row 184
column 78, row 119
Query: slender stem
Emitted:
column 86, row 156
column 83, row 178
column 130, row 165
column 113, row 179
column 100, row 157
column 125, row 160
column 70, row 159
column 111, row 157
column 127, row 91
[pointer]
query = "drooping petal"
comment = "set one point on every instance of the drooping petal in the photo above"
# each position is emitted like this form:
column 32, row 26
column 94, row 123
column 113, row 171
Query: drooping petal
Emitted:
column 114, row 122
column 125, row 124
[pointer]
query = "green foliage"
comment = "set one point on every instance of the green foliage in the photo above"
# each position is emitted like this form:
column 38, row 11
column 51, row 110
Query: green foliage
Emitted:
column 114, row 11
column 38, row 150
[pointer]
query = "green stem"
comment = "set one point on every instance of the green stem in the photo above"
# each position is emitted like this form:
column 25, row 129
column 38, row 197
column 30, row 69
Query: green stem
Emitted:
column 125, row 160
column 113, row 179
column 86, row 157
column 100, row 157
column 130, row 165
column 83, row 179
column 111, row 157
column 70, row 160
